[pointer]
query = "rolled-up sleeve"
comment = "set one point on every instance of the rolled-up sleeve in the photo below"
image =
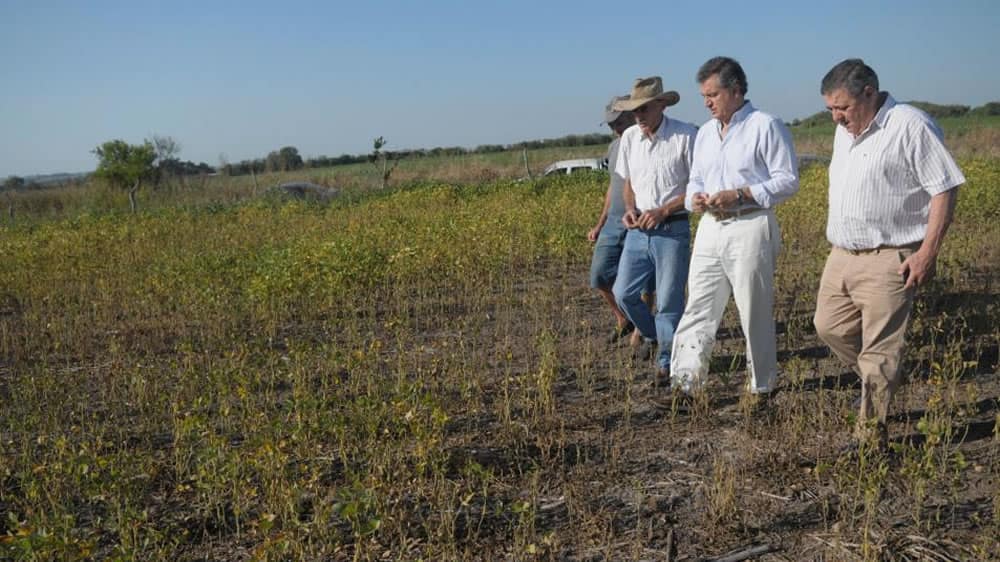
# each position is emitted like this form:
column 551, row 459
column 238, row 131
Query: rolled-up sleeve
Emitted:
column 779, row 157
column 696, row 179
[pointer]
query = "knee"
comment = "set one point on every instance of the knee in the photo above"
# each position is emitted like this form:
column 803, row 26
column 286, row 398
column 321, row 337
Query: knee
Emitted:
column 827, row 330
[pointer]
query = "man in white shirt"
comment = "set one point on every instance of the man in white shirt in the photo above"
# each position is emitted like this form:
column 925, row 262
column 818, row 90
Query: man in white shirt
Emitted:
column 893, row 188
column 744, row 165
column 654, row 157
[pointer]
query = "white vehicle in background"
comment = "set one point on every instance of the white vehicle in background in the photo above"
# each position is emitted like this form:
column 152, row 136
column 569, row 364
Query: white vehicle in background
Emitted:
column 577, row 165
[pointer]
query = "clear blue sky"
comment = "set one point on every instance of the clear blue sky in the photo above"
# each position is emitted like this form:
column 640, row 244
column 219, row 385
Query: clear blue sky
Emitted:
column 243, row 78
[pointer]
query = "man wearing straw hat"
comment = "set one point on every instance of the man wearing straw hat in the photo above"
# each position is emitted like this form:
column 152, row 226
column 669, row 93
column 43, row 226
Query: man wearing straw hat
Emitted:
column 744, row 165
column 655, row 159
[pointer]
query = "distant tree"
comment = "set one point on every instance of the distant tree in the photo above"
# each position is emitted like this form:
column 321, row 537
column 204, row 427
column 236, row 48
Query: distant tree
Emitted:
column 167, row 163
column 380, row 159
column 937, row 111
column 283, row 160
column 126, row 166
column 990, row 108
column 166, row 147
column 290, row 158
column 13, row 182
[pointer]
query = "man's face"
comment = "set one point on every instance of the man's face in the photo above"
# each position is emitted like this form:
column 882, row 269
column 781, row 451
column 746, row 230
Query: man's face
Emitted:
column 649, row 115
column 624, row 121
column 721, row 102
column 854, row 113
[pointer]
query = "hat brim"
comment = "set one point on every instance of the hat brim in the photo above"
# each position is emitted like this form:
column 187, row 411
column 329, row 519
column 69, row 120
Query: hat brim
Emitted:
column 670, row 97
column 611, row 117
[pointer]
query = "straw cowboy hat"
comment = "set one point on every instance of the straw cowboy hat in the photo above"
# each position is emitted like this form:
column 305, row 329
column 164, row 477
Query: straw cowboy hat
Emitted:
column 646, row 90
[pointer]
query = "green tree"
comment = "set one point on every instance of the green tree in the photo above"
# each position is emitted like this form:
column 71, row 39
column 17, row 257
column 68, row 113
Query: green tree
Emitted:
column 283, row 160
column 126, row 166
column 13, row 182
column 380, row 159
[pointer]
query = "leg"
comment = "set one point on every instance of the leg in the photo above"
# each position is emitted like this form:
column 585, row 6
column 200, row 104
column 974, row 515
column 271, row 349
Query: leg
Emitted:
column 838, row 318
column 634, row 270
column 604, row 270
column 671, row 256
column 751, row 252
column 885, row 311
column 708, row 292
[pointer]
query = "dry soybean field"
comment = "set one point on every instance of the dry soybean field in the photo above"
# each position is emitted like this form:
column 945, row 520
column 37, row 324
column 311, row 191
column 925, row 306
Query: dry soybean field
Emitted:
column 423, row 374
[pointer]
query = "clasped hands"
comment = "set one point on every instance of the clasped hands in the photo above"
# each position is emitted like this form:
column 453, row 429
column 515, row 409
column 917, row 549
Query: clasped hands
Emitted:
column 645, row 220
column 703, row 203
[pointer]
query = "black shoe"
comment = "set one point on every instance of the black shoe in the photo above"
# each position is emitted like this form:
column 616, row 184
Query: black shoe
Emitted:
column 620, row 333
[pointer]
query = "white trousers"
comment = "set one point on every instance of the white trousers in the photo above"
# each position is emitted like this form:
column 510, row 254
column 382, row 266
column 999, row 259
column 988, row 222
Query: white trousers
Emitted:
column 733, row 256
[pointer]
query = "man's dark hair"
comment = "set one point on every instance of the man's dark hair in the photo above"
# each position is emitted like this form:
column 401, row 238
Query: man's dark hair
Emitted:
column 731, row 75
column 853, row 75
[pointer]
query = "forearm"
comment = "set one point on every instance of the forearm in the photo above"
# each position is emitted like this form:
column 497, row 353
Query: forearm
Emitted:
column 675, row 205
column 694, row 187
column 603, row 218
column 939, row 219
column 628, row 195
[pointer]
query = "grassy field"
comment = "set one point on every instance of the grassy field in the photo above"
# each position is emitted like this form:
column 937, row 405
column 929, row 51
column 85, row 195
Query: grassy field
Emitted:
column 422, row 374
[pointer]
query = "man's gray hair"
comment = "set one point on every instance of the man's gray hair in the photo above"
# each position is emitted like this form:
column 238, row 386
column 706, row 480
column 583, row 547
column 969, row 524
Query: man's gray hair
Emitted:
column 731, row 75
column 852, row 75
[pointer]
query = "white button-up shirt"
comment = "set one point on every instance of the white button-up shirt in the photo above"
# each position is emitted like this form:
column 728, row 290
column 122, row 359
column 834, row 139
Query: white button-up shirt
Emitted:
column 658, row 166
column 756, row 152
column 882, row 181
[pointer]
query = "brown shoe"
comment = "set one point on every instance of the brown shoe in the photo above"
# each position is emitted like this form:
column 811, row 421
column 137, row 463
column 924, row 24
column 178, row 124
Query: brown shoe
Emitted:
column 676, row 401
column 662, row 378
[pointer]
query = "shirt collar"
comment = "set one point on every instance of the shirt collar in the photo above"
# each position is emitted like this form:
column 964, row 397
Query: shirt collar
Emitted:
column 742, row 113
column 739, row 116
column 883, row 112
column 881, row 116
column 659, row 133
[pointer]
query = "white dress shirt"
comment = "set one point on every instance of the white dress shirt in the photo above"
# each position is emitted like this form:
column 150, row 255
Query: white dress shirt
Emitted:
column 756, row 152
column 882, row 181
column 657, row 166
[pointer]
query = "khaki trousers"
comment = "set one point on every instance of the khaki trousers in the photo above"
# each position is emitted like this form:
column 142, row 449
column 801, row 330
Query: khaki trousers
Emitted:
column 861, row 312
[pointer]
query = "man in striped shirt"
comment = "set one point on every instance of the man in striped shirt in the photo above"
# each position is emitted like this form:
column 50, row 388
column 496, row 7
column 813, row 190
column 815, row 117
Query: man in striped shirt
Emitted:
column 893, row 187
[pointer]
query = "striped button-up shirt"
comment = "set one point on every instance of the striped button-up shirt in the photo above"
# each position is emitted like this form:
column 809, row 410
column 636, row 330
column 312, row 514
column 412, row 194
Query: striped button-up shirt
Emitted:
column 756, row 152
column 658, row 167
column 882, row 181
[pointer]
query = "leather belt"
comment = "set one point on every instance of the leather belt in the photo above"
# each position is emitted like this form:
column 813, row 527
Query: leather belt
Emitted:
column 726, row 215
column 866, row 251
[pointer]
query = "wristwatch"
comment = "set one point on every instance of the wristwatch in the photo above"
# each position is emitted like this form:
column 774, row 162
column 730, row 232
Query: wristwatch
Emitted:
column 739, row 197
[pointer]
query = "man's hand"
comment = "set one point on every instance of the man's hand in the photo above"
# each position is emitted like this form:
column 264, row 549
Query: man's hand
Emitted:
column 630, row 219
column 651, row 218
column 699, row 202
column 918, row 269
column 593, row 233
column 725, row 199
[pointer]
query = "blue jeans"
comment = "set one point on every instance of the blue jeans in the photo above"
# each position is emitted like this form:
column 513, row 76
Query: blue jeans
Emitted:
column 662, row 253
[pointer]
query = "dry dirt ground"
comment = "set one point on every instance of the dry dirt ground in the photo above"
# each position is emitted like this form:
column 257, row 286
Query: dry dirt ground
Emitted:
column 613, row 472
